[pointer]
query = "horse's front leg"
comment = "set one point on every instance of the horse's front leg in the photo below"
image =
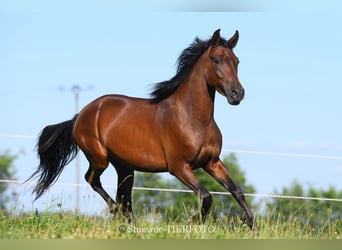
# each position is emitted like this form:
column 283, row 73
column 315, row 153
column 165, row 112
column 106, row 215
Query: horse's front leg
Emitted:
column 220, row 174
column 188, row 178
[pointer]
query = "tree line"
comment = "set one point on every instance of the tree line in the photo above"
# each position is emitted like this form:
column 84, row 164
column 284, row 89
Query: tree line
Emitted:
column 225, row 206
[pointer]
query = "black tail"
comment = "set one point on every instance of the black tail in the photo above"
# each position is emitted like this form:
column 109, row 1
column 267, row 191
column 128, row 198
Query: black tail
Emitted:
column 56, row 148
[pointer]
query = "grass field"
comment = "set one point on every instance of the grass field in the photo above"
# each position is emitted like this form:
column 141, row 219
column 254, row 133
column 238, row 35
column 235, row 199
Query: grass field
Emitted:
column 68, row 225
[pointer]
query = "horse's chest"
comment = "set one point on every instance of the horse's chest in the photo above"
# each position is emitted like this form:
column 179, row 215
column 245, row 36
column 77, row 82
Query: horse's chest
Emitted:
column 209, row 148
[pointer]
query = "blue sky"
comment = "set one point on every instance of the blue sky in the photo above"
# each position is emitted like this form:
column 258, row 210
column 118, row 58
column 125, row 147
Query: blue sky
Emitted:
column 290, row 66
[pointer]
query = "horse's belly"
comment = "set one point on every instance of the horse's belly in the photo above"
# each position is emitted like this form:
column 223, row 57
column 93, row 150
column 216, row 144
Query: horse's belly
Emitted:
column 137, row 145
column 138, row 157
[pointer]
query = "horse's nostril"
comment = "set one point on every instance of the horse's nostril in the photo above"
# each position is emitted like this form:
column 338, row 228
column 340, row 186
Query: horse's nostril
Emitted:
column 234, row 92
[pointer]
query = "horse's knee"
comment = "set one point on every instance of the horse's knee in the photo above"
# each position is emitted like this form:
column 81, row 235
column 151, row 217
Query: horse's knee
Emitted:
column 239, row 193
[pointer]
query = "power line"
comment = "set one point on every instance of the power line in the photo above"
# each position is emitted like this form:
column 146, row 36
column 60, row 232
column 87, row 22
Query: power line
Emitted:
column 18, row 136
column 328, row 157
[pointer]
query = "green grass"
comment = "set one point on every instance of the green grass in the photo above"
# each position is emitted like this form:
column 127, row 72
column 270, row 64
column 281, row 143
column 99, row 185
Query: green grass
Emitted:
column 68, row 225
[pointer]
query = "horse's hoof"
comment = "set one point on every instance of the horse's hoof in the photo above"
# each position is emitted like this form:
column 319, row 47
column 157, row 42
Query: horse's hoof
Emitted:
column 250, row 222
column 131, row 218
column 194, row 219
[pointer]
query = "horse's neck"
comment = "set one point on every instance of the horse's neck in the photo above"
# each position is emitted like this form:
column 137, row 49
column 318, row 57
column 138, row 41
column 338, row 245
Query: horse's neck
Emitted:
column 195, row 96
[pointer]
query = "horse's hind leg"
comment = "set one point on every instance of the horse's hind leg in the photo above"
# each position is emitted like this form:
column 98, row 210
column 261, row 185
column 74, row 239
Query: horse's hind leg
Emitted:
column 97, row 157
column 124, row 191
column 93, row 178
column 220, row 174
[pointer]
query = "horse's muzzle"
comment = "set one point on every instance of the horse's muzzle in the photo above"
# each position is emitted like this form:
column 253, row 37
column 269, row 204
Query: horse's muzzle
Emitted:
column 235, row 96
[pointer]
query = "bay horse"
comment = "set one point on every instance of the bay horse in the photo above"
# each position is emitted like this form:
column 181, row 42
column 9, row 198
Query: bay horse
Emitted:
column 173, row 131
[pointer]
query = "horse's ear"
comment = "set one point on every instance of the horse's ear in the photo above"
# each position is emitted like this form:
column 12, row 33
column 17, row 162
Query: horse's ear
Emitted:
column 234, row 39
column 215, row 39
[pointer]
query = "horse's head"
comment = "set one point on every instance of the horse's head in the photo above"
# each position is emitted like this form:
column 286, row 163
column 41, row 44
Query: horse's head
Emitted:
column 221, row 68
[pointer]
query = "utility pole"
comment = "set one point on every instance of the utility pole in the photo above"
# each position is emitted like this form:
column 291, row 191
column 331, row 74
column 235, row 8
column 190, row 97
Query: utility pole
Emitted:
column 76, row 89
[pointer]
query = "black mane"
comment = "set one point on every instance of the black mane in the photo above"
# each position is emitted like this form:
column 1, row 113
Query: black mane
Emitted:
column 185, row 62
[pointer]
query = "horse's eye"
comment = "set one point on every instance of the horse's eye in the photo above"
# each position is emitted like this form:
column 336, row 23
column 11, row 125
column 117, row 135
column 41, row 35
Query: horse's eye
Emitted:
column 216, row 60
